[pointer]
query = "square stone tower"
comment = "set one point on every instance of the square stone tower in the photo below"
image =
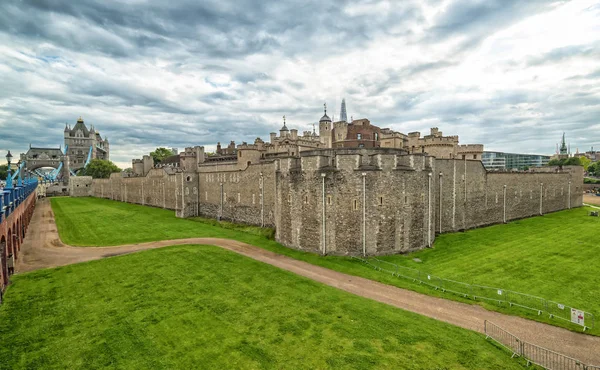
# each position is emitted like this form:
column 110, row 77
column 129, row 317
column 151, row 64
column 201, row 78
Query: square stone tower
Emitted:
column 82, row 143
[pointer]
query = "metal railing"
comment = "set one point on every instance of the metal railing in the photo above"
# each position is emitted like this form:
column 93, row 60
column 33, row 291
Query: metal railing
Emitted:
column 533, row 354
column 11, row 198
column 498, row 296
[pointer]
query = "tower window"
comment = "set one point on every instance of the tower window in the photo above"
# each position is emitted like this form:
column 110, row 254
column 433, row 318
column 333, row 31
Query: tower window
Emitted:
column 355, row 205
column 380, row 201
column 359, row 136
column 329, row 200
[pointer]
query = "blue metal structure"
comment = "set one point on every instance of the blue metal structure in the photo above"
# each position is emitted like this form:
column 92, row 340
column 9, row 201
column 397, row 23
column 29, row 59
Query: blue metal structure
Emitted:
column 89, row 157
column 12, row 196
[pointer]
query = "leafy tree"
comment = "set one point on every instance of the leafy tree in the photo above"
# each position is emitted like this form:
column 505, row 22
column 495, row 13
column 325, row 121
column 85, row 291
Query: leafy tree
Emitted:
column 585, row 162
column 3, row 172
column 99, row 169
column 594, row 169
column 572, row 161
column 160, row 154
column 556, row 162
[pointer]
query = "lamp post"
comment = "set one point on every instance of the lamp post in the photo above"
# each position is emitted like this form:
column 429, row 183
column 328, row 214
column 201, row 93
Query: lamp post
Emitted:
column 8, row 174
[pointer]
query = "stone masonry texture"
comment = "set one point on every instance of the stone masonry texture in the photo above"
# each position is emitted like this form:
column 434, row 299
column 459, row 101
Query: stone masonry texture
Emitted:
column 408, row 198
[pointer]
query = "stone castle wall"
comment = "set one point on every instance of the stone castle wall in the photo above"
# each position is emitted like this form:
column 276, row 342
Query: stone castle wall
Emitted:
column 175, row 191
column 316, row 201
column 394, row 204
column 472, row 197
column 232, row 193
column 80, row 186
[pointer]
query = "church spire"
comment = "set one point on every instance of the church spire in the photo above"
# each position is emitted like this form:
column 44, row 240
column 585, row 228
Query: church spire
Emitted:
column 343, row 116
column 563, row 146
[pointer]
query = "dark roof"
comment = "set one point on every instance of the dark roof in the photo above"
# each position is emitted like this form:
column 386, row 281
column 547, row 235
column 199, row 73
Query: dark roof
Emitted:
column 325, row 118
column 50, row 151
column 80, row 126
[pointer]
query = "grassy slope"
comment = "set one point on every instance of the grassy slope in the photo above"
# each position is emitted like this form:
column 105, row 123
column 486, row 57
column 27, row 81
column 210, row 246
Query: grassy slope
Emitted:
column 554, row 256
column 204, row 307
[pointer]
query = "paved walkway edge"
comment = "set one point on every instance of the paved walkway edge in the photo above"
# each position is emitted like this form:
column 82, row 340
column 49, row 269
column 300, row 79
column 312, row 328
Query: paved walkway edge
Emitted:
column 43, row 248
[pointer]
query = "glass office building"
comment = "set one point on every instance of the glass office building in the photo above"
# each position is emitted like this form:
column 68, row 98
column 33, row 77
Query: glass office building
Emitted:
column 510, row 161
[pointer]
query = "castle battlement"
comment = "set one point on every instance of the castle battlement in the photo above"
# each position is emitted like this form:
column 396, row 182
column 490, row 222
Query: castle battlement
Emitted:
column 470, row 148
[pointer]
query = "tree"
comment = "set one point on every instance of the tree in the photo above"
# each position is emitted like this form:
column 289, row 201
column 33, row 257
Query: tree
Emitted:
column 3, row 172
column 594, row 169
column 572, row 161
column 160, row 154
column 99, row 169
column 585, row 162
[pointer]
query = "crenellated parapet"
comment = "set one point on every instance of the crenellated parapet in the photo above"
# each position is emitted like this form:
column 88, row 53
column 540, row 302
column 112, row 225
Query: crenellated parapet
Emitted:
column 470, row 148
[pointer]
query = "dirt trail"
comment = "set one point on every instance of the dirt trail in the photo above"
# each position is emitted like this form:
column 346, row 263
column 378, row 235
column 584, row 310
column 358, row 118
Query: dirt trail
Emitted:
column 591, row 199
column 43, row 248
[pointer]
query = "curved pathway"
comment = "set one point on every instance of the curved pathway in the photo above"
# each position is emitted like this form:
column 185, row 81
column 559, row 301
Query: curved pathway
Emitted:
column 591, row 199
column 43, row 248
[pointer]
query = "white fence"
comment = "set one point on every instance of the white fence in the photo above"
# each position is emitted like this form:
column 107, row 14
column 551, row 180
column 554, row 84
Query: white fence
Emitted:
column 499, row 296
column 531, row 353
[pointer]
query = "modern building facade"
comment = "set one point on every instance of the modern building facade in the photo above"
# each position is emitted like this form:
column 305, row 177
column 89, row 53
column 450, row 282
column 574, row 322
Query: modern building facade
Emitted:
column 512, row 161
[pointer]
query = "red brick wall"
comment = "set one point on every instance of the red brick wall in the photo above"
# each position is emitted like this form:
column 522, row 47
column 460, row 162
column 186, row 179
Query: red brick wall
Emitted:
column 12, row 230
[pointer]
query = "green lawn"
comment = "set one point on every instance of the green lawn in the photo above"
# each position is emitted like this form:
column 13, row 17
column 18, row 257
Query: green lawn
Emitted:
column 554, row 256
column 204, row 307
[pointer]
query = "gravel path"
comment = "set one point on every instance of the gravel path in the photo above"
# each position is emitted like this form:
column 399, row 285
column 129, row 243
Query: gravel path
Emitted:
column 591, row 199
column 43, row 248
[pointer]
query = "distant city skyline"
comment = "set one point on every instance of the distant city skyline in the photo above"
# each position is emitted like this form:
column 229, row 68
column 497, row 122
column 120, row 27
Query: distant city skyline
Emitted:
column 511, row 75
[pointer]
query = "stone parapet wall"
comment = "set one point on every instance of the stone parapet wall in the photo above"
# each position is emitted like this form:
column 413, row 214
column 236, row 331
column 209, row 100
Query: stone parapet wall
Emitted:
column 80, row 186
column 471, row 197
column 235, row 194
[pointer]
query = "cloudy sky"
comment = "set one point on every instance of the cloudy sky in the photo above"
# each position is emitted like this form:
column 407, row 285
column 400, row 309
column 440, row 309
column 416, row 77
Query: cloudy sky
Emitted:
column 510, row 74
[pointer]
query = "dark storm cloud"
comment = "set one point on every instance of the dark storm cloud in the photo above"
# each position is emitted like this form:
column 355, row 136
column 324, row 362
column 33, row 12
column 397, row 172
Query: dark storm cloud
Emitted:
column 483, row 17
column 475, row 20
column 212, row 28
column 568, row 52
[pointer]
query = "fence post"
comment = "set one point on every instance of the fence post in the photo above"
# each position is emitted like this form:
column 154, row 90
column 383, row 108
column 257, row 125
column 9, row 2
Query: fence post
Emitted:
column 522, row 350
